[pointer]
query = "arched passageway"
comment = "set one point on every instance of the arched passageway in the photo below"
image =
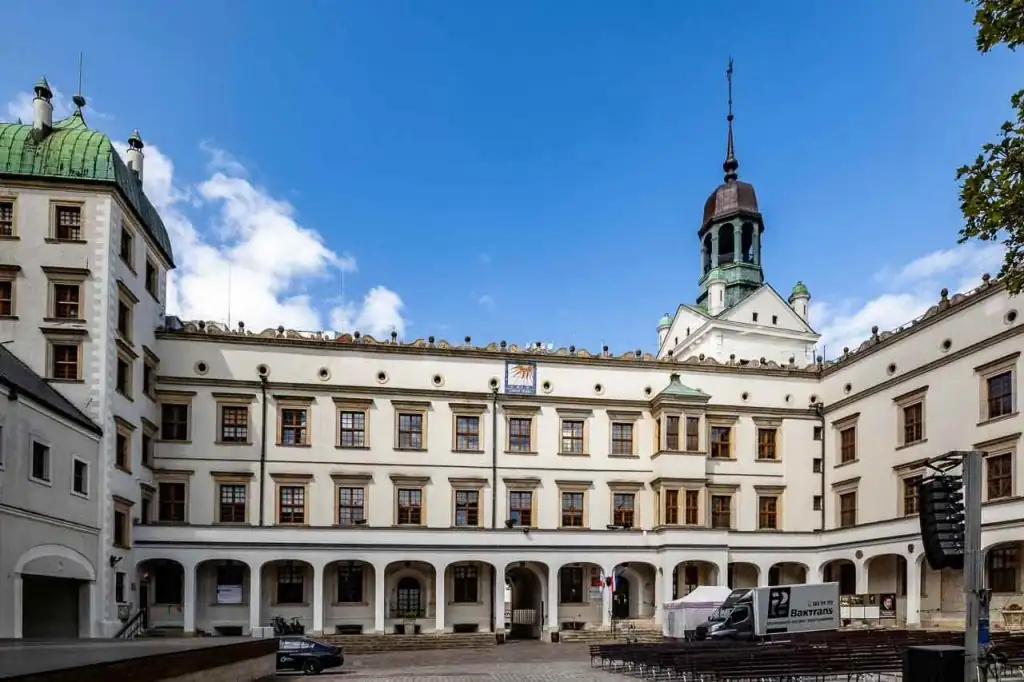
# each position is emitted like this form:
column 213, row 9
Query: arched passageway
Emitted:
column 524, row 600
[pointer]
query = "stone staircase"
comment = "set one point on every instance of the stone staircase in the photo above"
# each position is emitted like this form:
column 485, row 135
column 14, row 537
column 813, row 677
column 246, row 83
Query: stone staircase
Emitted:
column 640, row 630
column 371, row 644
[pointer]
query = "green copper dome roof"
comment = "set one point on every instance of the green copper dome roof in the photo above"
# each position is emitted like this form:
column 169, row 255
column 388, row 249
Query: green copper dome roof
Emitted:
column 665, row 321
column 71, row 151
column 800, row 290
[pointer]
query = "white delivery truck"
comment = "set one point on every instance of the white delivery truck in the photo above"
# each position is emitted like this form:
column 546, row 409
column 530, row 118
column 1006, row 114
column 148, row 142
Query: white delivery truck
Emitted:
column 759, row 612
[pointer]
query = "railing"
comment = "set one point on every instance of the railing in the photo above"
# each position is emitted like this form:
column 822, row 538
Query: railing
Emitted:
column 134, row 626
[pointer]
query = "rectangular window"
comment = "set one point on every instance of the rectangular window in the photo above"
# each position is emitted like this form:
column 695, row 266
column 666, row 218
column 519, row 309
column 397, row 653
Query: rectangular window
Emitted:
column 570, row 585
column 291, row 583
column 467, row 508
column 68, row 300
column 147, row 447
column 351, row 506
column 119, row 579
column 572, row 509
column 766, row 439
column 410, row 507
column 171, row 504
column 123, row 448
column 152, row 279
column 67, row 223
column 353, row 429
column 6, row 218
column 294, row 429
column 692, row 508
column 816, row 465
column 848, row 445
column 520, row 506
column 148, row 379
column 999, row 476
column 174, row 422
column 79, row 477
column 1000, row 394
column 913, row 423
column 466, row 582
column 721, row 446
column 41, row 462
column 572, row 437
column 721, row 511
column 350, row 582
column 124, row 376
column 64, row 361
column 520, row 432
column 127, row 251
column 6, row 297
column 622, row 438
column 1002, row 564
column 232, row 503
column 124, row 320
column 234, row 423
column 672, row 433
column 848, row 509
column 693, row 434
column 671, row 507
column 467, row 433
column 623, row 510
column 817, row 503
column 910, row 485
column 818, row 432
column 410, row 431
column 768, row 513
column 230, row 575
column 291, row 505
column 122, row 528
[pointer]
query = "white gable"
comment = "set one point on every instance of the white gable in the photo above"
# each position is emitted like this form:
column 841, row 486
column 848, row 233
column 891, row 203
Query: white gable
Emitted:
column 686, row 322
column 766, row 308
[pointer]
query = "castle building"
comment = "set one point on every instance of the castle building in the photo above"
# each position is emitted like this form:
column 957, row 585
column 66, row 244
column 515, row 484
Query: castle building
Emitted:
column 382, row 485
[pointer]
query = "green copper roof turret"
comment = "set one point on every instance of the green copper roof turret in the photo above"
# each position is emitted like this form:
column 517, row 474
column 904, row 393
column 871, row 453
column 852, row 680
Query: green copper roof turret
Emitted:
column 73, row 153
column 665, row 321
column 42, row 87
column 799, row 290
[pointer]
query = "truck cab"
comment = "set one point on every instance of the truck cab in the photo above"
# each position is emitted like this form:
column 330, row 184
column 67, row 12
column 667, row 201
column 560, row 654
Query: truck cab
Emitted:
column 734, row 619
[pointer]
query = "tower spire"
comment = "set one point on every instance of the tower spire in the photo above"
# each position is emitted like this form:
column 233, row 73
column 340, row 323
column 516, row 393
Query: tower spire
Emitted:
column 79, row 99
column 731, row 164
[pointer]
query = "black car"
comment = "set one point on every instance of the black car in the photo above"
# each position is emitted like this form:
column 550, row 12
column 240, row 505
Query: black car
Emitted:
column 307, row 655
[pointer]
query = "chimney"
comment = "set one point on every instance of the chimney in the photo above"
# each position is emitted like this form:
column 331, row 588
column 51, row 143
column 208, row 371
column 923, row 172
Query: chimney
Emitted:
column 42, row 108
column 135, row 156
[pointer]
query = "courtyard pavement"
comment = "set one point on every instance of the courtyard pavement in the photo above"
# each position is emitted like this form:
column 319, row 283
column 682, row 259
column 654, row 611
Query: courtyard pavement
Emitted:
column 513, row 662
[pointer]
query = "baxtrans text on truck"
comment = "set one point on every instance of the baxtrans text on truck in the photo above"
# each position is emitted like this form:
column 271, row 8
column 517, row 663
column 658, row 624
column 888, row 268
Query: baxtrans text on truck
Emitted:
column 805, row 613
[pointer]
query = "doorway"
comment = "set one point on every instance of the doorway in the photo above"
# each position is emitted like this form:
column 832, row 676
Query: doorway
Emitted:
column 50, row 607
column 620, row 598
column 525, row 611
column 144, row 603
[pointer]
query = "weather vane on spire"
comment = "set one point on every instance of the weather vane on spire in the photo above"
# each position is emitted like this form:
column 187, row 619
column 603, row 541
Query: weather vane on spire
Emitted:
column 731, row 164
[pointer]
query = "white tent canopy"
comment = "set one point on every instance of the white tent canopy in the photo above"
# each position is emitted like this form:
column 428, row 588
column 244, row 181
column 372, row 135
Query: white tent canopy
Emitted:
column 685, row 614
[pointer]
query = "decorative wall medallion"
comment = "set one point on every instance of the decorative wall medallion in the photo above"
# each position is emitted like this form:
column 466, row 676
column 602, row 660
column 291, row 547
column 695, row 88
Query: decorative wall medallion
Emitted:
column 520, row 377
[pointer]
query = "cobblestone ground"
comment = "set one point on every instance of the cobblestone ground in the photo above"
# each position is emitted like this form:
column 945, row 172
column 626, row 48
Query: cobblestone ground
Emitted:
column 515, row 662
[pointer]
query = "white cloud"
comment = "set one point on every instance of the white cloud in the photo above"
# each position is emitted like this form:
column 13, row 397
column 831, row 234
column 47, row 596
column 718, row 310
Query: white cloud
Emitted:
column 254, row 257
column 487, row 301
column 908, row 292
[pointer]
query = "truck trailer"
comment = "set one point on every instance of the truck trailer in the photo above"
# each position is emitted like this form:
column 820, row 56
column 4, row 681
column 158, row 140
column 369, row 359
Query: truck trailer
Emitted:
column 756, row 613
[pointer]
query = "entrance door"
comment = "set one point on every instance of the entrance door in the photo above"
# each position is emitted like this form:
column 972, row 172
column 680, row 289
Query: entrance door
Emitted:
column 620, row 598
column 49, row 607
column 144, row 603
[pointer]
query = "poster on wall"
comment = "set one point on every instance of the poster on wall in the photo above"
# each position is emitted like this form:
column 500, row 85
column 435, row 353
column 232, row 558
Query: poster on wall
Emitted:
column 520, row 377
column 888, row 606
column 229, row 594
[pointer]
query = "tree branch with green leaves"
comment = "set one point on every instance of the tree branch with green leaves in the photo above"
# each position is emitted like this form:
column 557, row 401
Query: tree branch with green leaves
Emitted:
column 992, row 188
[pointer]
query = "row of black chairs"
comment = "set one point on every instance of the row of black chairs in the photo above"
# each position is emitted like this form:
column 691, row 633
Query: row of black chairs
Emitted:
column 806, row 656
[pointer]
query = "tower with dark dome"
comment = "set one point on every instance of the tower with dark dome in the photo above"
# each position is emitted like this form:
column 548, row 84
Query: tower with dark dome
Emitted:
column 730, row 236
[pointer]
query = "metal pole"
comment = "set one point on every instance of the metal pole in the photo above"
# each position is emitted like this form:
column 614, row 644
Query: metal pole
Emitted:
column 973, row 575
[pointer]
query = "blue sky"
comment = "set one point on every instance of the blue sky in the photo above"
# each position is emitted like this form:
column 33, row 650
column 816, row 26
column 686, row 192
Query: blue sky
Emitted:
column 533, row 170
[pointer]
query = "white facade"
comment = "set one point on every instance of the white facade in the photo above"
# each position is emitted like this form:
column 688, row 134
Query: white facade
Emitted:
column 365, row 485
column 49, row 518
column 36, row 263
